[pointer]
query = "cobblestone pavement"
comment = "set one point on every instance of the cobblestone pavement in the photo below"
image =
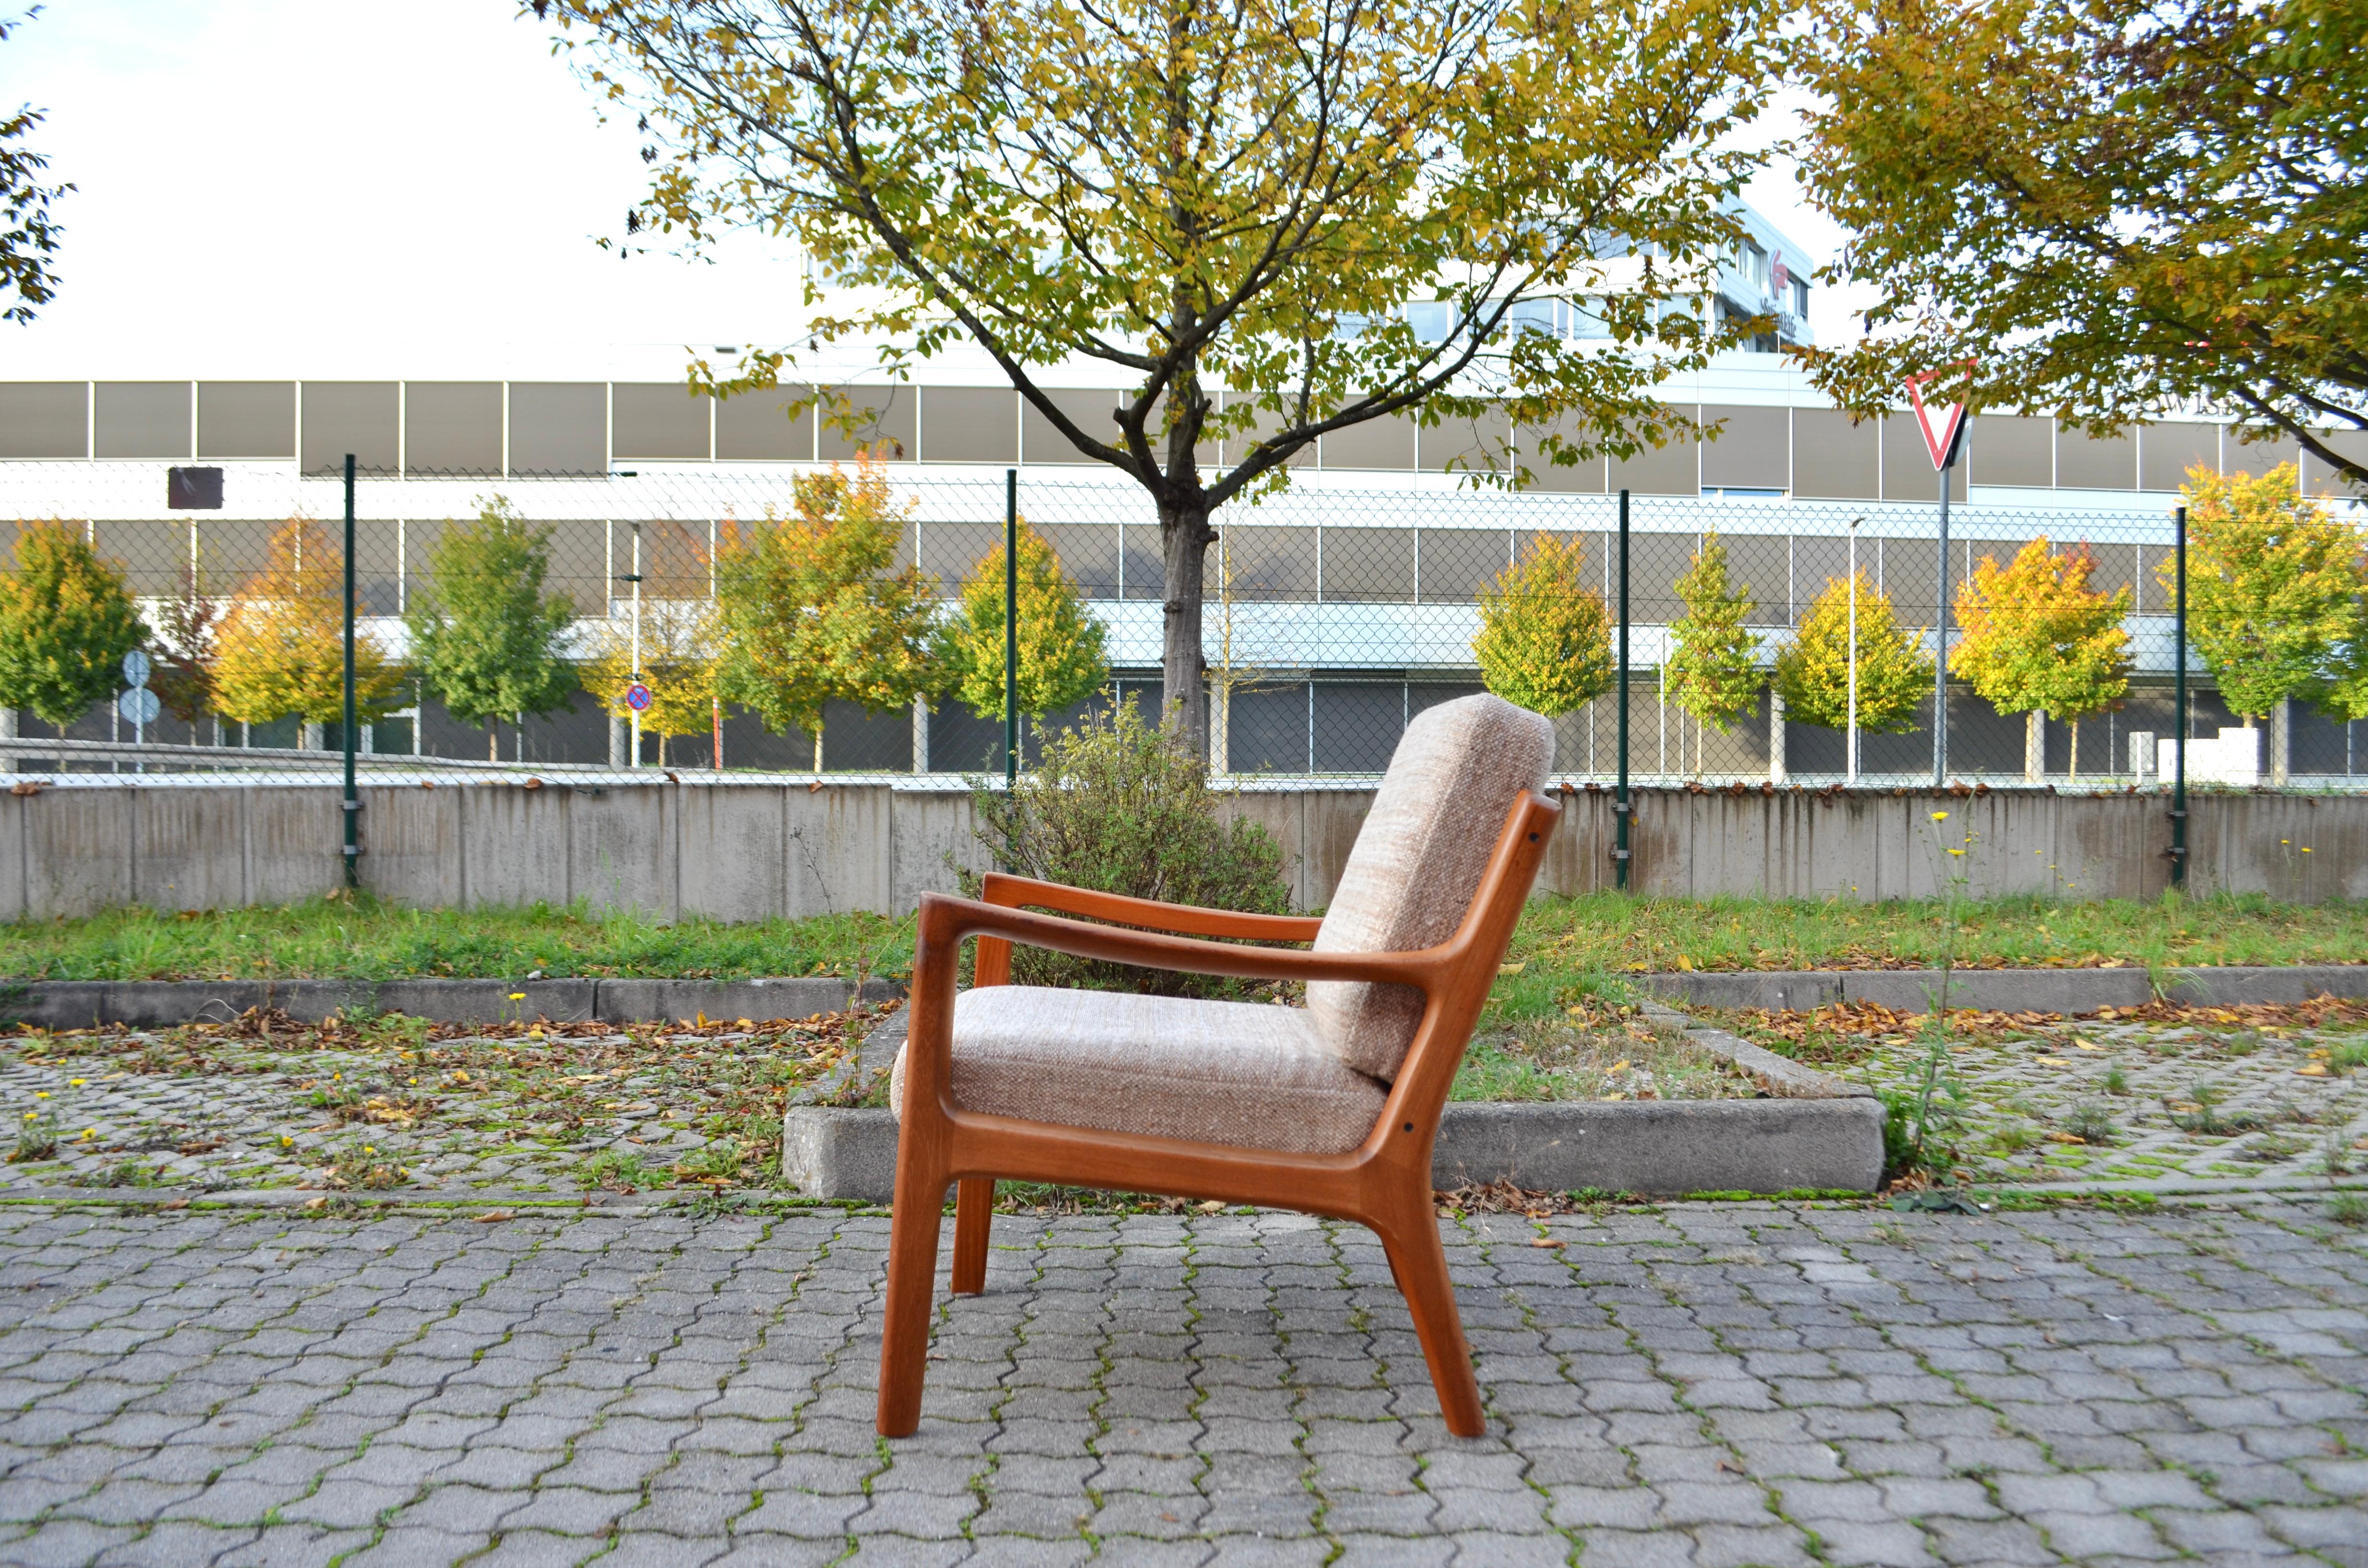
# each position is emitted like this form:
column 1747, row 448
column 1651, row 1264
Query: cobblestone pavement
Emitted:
column 1701, row 1385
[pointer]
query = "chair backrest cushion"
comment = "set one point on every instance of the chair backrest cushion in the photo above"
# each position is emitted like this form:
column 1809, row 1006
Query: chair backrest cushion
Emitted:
column 1417, row 860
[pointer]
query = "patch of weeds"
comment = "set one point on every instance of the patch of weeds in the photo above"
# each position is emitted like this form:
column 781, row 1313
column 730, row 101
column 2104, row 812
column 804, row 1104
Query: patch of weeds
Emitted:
column 2349, row 1056
column 1593, row 1052
column 2348, row 1209
column 621, row 1172
column 37, row 1136
column 2202, row 1113
column 360, row 1165
column 128, row 1173
column 859, row 1091
column 2015, row 1137
column 2335, row 1154
column 2114, row 1081
column 2271, row 1147
column 716, row 1163
column 2090, row 1122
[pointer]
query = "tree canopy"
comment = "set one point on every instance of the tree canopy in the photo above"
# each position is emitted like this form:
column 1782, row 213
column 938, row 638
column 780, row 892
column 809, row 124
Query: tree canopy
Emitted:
column 2118, row 206
column 2277, row 594
column 66, row 620
column 28, row 234
column 2037, row 637
column 1062, row 652
column 484, row 636
column 1813, row 670
column 681, row 657
column 1327, row 215
column 282, row 640
column 1544, row 640
column 1714, row 671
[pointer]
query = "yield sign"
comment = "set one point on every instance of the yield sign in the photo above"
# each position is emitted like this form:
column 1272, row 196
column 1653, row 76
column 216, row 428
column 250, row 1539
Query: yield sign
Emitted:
column 1941, row 426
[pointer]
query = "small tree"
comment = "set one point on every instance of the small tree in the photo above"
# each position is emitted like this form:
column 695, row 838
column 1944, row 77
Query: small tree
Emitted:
column 1062, row 652
column 1813, row 670
column 2277, row 597
column 1545, row 639
column 1714, row 671
column 811, row 609
column 681, row 652
column 484, row 637
column 2038, row 640
column 65, row 623
column 189, row 634
column 283, row 640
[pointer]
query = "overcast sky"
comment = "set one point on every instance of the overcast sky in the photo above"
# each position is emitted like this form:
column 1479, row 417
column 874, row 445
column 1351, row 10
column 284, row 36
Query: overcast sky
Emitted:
column 330, row 189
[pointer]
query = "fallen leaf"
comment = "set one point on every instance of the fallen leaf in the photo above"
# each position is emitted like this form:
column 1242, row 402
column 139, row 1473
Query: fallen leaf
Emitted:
column 495, row 1218
column 1211, row 1207
column 1511, row 968
column 177, row 1203
column 2052, row 1061
column 2065, row 1138
column 1685, row 963
column 2315, row 1070
column 1546, row 1241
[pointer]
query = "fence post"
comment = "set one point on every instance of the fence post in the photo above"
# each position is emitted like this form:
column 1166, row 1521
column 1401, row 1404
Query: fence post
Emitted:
column 1940, row 634
column 2178, row 701
column 1010, row 627
column 352, row 803
column 1622, row 807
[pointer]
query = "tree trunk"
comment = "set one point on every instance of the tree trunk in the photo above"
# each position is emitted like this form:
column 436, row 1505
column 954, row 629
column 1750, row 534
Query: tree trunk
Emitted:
column 2035, row 746
column 2076, row 748
column 1184, row 540
column 493, row 741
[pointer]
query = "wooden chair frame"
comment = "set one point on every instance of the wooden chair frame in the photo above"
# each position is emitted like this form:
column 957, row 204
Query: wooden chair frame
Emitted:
column 1384, row 1183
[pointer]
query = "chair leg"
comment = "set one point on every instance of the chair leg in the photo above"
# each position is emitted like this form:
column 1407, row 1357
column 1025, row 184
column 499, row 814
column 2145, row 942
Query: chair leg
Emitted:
column 911, row 1273
column 974, row 1211
column 1420, row 1265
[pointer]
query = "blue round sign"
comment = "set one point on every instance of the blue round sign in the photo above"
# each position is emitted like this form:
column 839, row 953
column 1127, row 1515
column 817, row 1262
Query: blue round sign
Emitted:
column 637, row 696
column 139, row 705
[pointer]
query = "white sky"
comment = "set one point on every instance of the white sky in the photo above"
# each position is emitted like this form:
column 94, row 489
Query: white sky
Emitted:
column 336, row 188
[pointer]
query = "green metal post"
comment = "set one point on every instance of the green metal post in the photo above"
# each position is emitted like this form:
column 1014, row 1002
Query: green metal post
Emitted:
column 1010, row 627
column 353, row 804
column 1622, row 808
column 2179, row 721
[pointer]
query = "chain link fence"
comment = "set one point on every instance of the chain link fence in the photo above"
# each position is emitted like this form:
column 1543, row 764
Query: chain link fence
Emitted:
column 1334, row 611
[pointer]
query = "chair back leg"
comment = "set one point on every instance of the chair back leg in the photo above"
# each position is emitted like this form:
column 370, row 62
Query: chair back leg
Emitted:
column 912, row 1276
column 973, row 1213
column 1420, row 1265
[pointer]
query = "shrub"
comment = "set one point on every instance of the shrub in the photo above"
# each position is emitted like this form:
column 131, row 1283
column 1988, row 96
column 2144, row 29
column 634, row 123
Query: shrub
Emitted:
column 1114, row 806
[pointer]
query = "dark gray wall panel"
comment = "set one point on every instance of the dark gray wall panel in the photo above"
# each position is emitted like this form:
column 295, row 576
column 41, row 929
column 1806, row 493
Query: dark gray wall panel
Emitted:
column 2323, row 477
column 141, row 419
column 452, row 427
column 2084, row 462
column 2009, row 449
column 878, row 419
column 1266, row 564
column 756, row 427
column 246, row 419
column 1385, row 444
column 559, row 427
column 1907, row 472
column 1457, row 563
column 1585, row 477
column 1673, row 470
column 970, row 424
column 2257, row 457
column 657, row 421
column 1040, row 441
column 1753, row 449
column 1089, row 553
column 44, row 419
column 1833, row 458
column 1469, row 446
column 360, row 417
column 1369, row 565
column 2167, row 451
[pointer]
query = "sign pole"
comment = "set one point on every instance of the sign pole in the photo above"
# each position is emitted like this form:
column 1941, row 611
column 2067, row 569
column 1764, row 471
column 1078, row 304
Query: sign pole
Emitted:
column 2179, row 721
column 1941, row 639
column 1621, row 808
column 1010, row 627
column 353, row 802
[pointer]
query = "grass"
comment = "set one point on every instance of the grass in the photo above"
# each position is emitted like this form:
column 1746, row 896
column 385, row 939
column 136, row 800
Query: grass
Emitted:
column 1567, row 950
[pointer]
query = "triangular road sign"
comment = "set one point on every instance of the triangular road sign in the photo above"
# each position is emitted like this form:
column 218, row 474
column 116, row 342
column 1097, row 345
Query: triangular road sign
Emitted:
column 1941, row 426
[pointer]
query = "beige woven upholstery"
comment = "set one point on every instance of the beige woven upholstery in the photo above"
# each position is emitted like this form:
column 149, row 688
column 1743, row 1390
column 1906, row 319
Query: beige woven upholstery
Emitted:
column 1250, row 1075
column 1417, row 861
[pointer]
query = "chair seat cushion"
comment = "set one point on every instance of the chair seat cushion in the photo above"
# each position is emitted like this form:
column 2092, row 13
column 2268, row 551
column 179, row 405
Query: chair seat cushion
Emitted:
column 1252, row 1075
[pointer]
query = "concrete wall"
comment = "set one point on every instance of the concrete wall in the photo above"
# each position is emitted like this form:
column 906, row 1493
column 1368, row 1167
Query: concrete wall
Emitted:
column 741, row 851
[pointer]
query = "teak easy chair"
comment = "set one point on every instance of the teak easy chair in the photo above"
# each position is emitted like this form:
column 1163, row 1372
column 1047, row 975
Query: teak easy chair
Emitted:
column 1330, row 1110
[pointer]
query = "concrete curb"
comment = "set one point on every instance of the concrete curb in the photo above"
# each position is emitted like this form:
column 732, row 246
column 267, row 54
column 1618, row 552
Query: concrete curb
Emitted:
column 1815, row 1132
column 158, row 1004
column 2008, row 990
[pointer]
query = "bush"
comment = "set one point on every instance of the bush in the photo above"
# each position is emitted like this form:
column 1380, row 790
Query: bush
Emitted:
column 1114, row 806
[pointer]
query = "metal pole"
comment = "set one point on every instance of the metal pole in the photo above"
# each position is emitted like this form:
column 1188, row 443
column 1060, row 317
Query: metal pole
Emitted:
column 1849, row 761
column 1622, row 808
column 353, row 802
column 636, row 719
column 2179, row 721
column 1940, row 659
column 1010, row 627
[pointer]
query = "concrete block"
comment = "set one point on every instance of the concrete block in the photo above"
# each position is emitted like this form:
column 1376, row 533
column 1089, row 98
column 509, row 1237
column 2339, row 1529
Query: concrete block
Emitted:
column 1800, row 991
column 515, row 845
column 1665, row 1146
column 313, row 1000
column 78, row 851
column 160, row 1003
column 488, row 1001
column 12, row 856
column 626, row 1001
column 732, row 866
column 2007, row 991
column 2239, row 985
column 294, row 836
column 838, row 853
column 411, row 846
column 929, row 828
column 840, row 1153
column 183, row 836
column 55, row 1004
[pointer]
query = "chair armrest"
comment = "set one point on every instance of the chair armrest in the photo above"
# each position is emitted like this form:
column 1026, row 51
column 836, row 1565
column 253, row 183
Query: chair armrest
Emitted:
column 945, row 921
column 994, row 966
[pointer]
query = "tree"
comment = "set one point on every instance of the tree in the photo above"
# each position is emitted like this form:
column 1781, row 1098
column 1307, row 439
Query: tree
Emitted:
column 812, row 609
column 682, row 650
column 2038, row 640
column 1328, row 214
column 2116, row 205
column 28, row 236
column 66, row 620
column 283, row 640
column 484, row 637
column 187, row 641
column 2277, row 592
column 1714, row 671
column 1813, row 670
column 1544, row 638
column 1063, row 656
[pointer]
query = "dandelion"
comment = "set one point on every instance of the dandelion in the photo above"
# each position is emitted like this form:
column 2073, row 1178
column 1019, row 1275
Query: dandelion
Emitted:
column 89, row 1132
column 1940, row 816
column 32, row 1116
column 76, row 1083
column 1956, row 852
column 517, row 996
